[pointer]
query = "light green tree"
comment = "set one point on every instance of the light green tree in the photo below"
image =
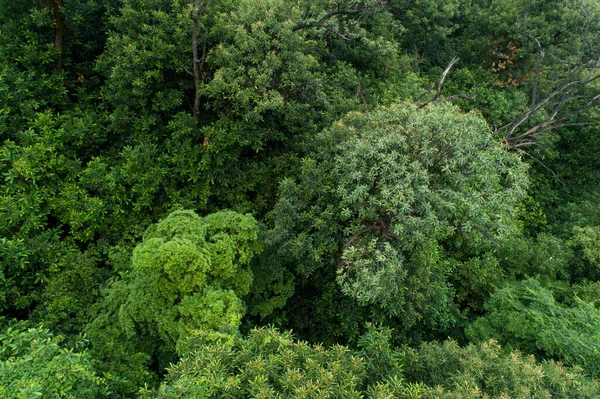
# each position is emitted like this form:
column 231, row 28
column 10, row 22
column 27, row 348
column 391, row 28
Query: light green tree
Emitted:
column 187, row 275
column 271, row 364
column 485, row 370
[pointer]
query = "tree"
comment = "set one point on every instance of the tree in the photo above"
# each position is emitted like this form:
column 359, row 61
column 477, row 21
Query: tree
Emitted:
column 384, row 195
column 269, row 364
column 187, row 275
column 34, row 364
column 484, row 370
column 525, row 315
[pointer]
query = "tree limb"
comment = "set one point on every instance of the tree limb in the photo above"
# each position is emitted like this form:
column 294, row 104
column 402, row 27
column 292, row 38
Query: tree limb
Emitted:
column 356, row 10
column 486, row 235
column 436, row 98
column 360, row 94
column 560, row 110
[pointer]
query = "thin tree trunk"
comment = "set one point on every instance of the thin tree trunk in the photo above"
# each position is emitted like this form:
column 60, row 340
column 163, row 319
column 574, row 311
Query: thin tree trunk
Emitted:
column 198, row 61
column 55, row 8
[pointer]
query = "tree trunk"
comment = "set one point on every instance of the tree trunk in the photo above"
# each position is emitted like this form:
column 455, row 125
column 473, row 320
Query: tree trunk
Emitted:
column 55, row 8
column 198, row 61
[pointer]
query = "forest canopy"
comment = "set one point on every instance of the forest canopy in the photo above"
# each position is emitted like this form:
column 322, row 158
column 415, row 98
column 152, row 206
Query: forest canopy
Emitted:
column 299, row 199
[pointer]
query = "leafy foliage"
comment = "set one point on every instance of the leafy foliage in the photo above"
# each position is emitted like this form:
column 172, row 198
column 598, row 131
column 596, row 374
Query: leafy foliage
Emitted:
column 526, row 316
column 473, row 221
column 188, row 274
column 270, row 364
column 34, row 364
column 485, row 371
column 385, row 192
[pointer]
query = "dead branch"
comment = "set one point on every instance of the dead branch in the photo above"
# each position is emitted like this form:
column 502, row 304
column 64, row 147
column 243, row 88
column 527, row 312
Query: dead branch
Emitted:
column 426, row 92
column 358, row 9
column 441, row 83
column 436, row 98
column 542, row 164
column 562, row 104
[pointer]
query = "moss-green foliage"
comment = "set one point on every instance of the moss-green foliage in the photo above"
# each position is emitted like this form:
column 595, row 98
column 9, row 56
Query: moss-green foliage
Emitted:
column 526, row 316
column 34, row 364
column 270, row 364
column 486, row 371
column 188, row 274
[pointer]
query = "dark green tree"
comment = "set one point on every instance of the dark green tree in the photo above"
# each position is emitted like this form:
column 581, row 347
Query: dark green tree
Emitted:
column 526, row 316
column 385, row 195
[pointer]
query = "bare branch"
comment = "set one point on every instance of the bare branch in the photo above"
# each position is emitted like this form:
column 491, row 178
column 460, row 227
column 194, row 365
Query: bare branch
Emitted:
column 542, row 164
column 436, row 98
column 381, row 225
column 356, row 10
column 528, row 143
column 425, row 93
column 439, row 88
column 486, row 235
column 560, row 110
column 356, row 235
column 360, row 94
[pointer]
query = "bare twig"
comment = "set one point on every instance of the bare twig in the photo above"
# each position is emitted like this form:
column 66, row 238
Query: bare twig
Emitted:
column 441, row 83
column 557, row 102
column 543, row 165
column 426, row 92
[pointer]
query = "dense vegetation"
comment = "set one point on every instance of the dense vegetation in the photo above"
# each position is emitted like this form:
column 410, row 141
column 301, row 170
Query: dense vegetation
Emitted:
column 299, row 199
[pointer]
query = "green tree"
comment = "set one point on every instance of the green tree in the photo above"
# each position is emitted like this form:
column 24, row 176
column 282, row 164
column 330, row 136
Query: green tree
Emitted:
column 34, row 364
column 525, row 315
column 188, row 274
column 484, row 370
column 270, row 364
column 385, row 195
